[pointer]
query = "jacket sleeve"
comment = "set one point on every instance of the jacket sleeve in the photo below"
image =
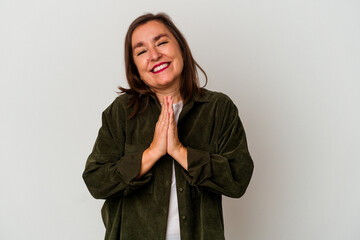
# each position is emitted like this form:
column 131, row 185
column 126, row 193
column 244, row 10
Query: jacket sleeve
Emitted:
column 110, row 171
column 228, row 171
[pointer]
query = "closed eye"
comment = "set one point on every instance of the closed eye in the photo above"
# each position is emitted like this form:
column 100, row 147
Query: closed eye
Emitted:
column 141, row 52
column 162, row 43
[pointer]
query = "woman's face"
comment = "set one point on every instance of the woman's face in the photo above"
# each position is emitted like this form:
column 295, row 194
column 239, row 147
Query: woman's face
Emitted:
column 157, row 56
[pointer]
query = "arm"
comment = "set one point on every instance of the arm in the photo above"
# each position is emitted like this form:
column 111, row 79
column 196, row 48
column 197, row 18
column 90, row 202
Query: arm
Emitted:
column 228, row 170
column 110, row 171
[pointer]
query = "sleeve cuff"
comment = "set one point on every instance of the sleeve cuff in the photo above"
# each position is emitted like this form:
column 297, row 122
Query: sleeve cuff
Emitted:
column 129, row 168
column 199, row 166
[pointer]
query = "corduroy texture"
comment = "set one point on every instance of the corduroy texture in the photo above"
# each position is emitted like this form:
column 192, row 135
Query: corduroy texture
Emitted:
column 219, row 163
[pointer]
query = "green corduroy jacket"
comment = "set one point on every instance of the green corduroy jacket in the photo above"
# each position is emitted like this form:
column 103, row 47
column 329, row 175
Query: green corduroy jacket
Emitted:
column 219, row 164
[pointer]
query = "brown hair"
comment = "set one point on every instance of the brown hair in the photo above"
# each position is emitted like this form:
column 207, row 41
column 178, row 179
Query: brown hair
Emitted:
column 189, row 86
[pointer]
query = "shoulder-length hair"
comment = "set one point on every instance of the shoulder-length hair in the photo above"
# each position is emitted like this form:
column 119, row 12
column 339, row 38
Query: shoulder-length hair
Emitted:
column 189, row 85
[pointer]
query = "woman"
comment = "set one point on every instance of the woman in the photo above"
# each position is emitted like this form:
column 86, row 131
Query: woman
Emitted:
column 167, row 149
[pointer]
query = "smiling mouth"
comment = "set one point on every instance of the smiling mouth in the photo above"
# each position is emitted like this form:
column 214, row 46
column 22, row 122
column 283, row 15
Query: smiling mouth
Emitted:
column 160, row 67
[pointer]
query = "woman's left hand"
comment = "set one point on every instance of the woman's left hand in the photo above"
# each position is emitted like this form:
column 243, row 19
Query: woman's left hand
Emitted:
column 174, row 147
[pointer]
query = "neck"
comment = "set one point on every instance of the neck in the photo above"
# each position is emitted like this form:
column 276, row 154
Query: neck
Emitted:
column 175, row 95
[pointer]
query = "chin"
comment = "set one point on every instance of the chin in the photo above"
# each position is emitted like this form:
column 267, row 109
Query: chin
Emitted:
column 165, row 82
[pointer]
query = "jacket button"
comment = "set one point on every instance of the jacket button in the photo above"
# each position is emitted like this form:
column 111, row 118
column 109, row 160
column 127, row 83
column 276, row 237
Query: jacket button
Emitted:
column 183, row 217
column 181, row 189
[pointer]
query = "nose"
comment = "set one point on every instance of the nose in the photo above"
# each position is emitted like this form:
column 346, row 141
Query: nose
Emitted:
column 154, row 54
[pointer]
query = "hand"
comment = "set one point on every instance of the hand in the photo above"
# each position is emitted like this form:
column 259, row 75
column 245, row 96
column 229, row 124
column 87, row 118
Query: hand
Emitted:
column 173, row 143
column 159, row 144
column 174, row 147
column 165, row 140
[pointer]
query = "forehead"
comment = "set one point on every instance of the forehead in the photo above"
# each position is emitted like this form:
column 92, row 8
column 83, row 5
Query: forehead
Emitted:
column 147, row 32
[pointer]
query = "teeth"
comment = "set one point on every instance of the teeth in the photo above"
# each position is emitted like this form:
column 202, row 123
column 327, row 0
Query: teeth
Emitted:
column 158, row 68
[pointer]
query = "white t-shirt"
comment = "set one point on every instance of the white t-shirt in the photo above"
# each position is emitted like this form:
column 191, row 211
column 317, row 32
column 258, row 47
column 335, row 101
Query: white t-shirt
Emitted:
column 173, row 223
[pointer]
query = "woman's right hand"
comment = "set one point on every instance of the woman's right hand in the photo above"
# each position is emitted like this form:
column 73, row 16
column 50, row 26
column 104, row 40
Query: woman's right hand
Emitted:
column 158, row 146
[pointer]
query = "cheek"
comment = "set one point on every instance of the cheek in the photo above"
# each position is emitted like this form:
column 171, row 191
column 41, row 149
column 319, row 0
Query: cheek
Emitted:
column 181, row 64
column 181, row 60
column 140, row 66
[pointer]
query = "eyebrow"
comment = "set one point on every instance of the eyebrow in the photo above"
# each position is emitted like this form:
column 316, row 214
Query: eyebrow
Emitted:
column 156, row 38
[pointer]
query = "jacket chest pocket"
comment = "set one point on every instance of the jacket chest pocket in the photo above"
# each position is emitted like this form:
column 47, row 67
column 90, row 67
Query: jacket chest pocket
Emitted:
column 210, row 148
column 135, row 149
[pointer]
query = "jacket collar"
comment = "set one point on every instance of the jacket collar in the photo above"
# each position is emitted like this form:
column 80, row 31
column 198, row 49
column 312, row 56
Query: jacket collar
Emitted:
column 186, row 108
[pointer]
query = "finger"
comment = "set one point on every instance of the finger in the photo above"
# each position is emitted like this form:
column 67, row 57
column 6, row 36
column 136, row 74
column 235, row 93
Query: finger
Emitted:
column 166, row 101
column 171, row 120
column 170, row 103
column 167, row 109
column 171, row 112
column 162, row 113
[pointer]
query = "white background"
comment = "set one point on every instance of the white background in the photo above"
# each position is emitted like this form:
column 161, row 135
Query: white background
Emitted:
column 291, row 67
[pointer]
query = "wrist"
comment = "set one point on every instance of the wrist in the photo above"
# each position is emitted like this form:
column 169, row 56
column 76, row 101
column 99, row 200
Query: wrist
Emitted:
column 176, row 150
column 180, row 155
column 153, row 153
